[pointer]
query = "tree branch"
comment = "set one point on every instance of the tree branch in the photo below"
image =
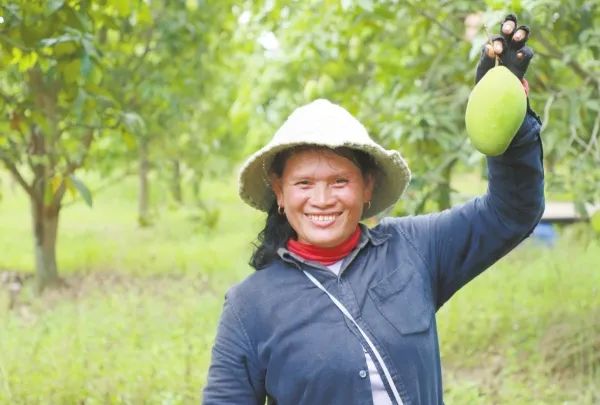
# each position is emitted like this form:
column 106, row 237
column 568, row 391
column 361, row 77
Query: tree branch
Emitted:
column 447, row 30
column 106, row 185
column 557, row 54
column 6, row 39
column 17, row 175
column 594, row 135
column 7, row 99
column 92, row 127
column 86, row 143
column 59, row 194
column 141, row 58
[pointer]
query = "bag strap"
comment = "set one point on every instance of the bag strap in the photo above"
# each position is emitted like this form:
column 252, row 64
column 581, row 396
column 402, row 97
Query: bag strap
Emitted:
column 347, row 314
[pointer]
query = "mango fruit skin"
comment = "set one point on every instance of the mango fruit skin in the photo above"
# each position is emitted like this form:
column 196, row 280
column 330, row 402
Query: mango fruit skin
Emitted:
column 495, row 110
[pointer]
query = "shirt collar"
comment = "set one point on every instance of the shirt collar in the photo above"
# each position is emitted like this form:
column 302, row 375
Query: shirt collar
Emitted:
column 375, row 236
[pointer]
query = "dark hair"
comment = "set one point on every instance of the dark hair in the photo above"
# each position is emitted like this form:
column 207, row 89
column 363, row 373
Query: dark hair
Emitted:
column 277, row 229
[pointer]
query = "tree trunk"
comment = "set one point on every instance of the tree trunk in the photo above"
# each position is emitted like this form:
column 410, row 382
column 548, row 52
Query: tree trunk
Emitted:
column 45, row 227
column 176, row 181
column 444, row 200
column 144, row 192
column 196, row 184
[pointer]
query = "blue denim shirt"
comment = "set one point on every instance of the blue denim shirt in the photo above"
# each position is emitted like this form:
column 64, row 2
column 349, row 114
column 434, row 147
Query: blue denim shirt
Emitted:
column 281, row 339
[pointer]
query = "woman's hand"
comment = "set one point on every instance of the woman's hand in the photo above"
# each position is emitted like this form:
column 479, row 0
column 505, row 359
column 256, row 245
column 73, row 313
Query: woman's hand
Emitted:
column 509, row 46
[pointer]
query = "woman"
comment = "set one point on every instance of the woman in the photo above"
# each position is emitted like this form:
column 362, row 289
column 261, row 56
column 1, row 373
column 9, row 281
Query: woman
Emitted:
column 343, row 314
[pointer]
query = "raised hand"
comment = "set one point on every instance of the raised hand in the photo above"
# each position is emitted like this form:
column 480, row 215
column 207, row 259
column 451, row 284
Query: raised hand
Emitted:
column 509, row 47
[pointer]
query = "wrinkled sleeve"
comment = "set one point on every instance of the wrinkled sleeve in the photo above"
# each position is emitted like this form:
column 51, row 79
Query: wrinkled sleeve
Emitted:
column 459, row 243
column 233, row 377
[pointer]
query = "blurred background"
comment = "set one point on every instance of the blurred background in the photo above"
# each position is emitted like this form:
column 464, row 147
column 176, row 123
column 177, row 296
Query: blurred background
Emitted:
column 123, row 124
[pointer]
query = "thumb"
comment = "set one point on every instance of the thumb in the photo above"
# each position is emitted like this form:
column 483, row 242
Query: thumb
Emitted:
column 486, row 62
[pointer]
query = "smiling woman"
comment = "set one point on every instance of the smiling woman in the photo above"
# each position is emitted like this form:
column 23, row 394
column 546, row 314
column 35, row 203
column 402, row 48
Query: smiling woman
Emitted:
column 322, row 192
column 339, row 313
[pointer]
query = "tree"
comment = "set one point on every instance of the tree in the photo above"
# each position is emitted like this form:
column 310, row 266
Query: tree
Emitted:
column 566, row 85
column 398, row 68
column 90, row 83
column 181, row 83
column 406, row 71
column 55, row 92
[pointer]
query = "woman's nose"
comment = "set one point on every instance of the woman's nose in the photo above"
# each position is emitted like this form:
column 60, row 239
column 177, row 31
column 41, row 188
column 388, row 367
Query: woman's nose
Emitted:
column 322, row 195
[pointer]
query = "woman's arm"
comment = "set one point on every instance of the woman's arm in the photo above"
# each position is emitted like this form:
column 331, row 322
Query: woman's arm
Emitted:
column 233, row 377
column 471, row 237
column 458, row 244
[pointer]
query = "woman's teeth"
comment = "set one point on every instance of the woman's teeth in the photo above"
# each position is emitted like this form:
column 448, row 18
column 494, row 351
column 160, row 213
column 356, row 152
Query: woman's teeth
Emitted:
column 322, row 218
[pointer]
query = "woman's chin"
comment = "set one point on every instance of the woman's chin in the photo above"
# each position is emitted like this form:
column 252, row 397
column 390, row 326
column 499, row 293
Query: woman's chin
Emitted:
column 324, row 238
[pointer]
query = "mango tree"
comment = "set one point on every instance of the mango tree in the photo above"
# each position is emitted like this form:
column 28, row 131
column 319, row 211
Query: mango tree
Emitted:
column 403, row 72
column 566, row 91
column 180, row 89
column 57, row 101
column 406, row 71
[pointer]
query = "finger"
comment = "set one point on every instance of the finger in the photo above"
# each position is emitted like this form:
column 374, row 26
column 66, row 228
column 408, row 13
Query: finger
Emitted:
column 486, row 62
column 498, row 44
column 520, row 37
column 524, row 55
column 521, row 62
column 498, row 47
column 507, row 27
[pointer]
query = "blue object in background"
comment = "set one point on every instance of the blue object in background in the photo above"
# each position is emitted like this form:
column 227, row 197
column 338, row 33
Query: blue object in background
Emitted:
column 545, row 233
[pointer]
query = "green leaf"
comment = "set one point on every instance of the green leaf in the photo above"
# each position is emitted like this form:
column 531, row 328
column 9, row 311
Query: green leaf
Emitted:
column 143, row 15
column 133, row 122
column 53, row 5
column 123, row 7
column 78, row 103
column 70, row 71
column 84, row 192
column 86, row 65
column 68, row 37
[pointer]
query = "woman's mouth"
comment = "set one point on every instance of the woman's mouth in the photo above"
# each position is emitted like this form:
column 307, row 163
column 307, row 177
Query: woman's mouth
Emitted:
column 323, row 219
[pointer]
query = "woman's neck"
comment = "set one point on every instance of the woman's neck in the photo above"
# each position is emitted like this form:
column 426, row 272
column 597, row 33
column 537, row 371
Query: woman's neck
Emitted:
column 325, row 255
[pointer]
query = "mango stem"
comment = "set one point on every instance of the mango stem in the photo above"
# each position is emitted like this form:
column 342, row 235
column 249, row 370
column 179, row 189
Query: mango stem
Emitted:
column 497, row 62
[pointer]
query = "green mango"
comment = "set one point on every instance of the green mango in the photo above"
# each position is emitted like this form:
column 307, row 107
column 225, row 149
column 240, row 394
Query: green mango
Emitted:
column 495, row 110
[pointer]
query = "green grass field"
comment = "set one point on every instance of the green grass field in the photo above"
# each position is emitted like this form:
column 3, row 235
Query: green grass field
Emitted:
column 136, row 322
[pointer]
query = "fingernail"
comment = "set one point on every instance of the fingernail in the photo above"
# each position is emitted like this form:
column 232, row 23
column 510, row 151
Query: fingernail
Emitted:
column 519, row 35
column 507, row 27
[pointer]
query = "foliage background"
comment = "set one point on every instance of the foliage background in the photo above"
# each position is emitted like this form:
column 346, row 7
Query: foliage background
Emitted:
column 142, row 110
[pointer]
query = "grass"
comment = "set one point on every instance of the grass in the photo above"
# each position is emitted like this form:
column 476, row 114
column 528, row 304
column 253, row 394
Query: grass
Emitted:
column 126, row 342
column 136, row 322
column 107, row 237
column 527, row 330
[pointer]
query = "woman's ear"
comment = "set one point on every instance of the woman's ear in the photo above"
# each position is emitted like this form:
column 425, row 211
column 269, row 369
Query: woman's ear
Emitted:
column 277, row 188
column 369, row 186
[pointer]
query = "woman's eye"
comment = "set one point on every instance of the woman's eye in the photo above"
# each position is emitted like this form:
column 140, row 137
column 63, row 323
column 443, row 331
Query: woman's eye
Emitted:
column 302, row 183
column 341, row 181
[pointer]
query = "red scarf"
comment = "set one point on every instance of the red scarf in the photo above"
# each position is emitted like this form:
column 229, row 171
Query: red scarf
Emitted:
column 324, row 255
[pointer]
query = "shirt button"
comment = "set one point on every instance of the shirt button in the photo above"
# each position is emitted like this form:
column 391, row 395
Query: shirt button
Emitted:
column 362, row 373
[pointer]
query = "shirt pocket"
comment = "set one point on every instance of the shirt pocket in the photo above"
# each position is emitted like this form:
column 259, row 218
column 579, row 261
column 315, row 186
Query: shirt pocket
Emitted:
column 403, row 299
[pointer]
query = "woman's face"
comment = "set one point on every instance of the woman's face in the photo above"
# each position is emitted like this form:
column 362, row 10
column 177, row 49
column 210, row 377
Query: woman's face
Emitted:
column 323, row 195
